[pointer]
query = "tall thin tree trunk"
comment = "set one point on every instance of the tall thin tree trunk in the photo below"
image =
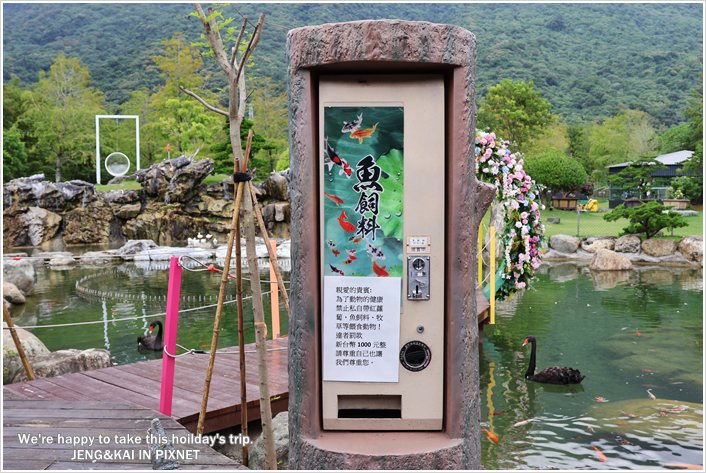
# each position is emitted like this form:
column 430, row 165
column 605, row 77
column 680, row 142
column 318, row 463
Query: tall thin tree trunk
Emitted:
column 58, row 167
column 259, row 315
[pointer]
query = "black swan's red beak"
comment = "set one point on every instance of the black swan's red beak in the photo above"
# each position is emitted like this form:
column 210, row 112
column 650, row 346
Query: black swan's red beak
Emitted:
column 525, row 342
column 152, row 328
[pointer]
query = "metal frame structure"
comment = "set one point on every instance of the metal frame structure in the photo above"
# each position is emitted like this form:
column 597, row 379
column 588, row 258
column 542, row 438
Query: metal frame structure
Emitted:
column 98, row 144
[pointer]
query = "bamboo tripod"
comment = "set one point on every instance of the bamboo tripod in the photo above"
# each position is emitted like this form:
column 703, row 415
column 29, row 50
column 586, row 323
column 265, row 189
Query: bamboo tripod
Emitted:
column 235, row 230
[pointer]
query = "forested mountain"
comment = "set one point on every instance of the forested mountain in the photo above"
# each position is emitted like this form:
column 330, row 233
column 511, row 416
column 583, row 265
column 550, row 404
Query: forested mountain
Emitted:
column 589, row 60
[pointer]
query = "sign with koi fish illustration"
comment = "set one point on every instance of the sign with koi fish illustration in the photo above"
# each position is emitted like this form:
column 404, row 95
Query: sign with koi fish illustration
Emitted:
column 363, row 186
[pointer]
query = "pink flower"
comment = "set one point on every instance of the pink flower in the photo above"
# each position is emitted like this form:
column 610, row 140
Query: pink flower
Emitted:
column 516, row 275
column 524, row 215
column 534, row 206
column 520, row 285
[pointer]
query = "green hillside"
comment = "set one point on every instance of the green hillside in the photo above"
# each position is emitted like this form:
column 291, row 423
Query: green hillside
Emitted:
column 588, row 60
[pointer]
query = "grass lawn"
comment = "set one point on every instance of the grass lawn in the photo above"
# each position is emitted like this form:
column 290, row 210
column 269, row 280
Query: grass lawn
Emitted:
column 592, row 224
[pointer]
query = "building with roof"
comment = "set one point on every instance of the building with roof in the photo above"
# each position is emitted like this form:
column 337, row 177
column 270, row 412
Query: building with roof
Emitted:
column 673, row 161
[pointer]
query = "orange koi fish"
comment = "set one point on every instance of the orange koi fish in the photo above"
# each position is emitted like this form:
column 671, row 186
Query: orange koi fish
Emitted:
column 351, row 257
column 360, row 134
column 345, row 224
column 650, row 371
column 591, row 428
column 338, row 200
column 663, row 413
column 379, row 271
column 491, row 436
column 498, row 412
column 336, row 270
column 684, row 465
column 628, row 414
column 621, row 423
column 355, row 240
column 651, row 395
column 652, row 349
column 679, row 382
column 638, row 333
column 600, row 399
column 601, row 457
column 679, row 409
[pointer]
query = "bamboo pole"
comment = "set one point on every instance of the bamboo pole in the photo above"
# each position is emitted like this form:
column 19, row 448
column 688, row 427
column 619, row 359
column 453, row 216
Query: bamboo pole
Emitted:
column 491, row 275
column 221, row 296
column 18, row 344
column 274, row 296
column 241, row 345
column 260, row 334
column 272, row 256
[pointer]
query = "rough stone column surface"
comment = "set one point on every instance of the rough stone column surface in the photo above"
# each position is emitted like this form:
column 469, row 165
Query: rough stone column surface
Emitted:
column 372, row 46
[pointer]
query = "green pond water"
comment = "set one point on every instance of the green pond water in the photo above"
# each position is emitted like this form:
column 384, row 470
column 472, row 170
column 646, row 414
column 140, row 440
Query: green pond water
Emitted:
column 139, row 289
column 591, row 322
column 587, row 321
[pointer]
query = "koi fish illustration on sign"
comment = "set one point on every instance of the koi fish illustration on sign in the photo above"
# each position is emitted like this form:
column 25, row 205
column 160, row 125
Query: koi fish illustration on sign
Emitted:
column 332, row 158
column 332, row 245
column 352, row 126
column 351, row 257
column 379, row 271
column 360, row 134
column 345, row 224
column 374, row 251
column 337, row 200
column 336, row 270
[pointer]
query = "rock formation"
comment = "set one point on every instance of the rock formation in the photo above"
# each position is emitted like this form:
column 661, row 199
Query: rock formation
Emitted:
column 172, row 205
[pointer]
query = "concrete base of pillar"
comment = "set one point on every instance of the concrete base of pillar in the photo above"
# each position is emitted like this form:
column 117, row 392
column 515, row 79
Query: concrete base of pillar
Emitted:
column 381, row 451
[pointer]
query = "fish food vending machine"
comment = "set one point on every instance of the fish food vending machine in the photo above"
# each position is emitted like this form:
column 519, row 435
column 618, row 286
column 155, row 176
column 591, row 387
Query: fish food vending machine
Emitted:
column 383, row 341
column 382, row 220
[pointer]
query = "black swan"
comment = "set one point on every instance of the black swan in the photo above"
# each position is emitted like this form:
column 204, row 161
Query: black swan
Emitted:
column 152, row 342
column 553, row 374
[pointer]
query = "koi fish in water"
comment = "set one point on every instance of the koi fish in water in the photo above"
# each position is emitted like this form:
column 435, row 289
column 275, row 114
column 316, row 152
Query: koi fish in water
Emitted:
column 651, row 395
column 679, row 409
column 523, row 422
column 332, row 158
column 491, row 436
column 619, row 439
column 628, row 414
column 499, row 412
column 336, row 270
column 374, row 251
column 352, row 126
column 649, row 371
column 591, row 428
column 600, row 399
column 345, row 224
column 360, row 134
column 332, row 245
column 379, row 271
column 351, row 257
column 638, row 333
column 338, row 200
column 684, row 465
column 601, row 457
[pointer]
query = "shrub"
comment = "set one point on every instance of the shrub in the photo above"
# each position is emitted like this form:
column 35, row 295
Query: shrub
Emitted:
column 648, row 218
column 556, row 171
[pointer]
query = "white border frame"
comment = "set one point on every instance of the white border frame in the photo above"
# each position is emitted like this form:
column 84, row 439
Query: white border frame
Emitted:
column 98, row 142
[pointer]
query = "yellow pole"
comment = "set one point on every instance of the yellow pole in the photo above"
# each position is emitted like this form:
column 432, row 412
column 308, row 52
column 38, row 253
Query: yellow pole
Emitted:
column 274, row 293
column 492, row 275
column 480, row 253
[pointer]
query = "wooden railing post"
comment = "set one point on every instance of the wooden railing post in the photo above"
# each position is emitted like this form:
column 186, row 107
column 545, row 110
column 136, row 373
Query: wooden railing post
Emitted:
column 274, row 293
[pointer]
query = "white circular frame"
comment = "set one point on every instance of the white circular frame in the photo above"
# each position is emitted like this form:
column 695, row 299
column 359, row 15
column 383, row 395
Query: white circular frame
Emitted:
column 124, row 165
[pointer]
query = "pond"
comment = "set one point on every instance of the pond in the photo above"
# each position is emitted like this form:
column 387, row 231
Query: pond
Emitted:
column 139, row 289
column 628, row 333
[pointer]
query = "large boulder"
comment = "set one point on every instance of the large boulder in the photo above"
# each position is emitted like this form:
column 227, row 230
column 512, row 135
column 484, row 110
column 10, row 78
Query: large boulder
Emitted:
column 61, row 362
column 276, row 186
column 119, row 197
column 21, row 273
column 155, row 179
column 147, row 225
column 186, row 180
column 628, row 244
column 11, row 294
column 607, row 260
column 97, row 257
column 256, row 455
column 594, row 243
column 221, row 208
column 11, row 363
column 659, row 247
column 132, row 247
column 128, row 211
column 94, row 223
column 34, row 191
column 29, row 226
column 692, row 247
column 62, row 262
column 564, row 243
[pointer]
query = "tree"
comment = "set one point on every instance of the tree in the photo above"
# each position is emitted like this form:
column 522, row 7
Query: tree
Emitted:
column 638, row 175
column 555, row 171
column 515, row 111
column 178, row 118
column 269, row 104
column 648, row 218
column 150, row 135
column 63, row 110
column 223, row 158
column 14, row 156
column 579, row 145
column 696, row 119
column 623, row 137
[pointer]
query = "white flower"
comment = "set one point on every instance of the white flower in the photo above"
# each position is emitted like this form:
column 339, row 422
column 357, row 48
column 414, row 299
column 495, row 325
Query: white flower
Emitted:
column 518, row 224
column 485, row 170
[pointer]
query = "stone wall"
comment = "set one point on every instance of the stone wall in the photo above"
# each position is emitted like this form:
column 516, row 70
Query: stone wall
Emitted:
column 172, row 205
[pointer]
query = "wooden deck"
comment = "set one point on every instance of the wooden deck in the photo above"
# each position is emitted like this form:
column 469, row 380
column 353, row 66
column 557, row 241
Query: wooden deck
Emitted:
column 139, row 384
column 22, row 416
column 483, row 308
